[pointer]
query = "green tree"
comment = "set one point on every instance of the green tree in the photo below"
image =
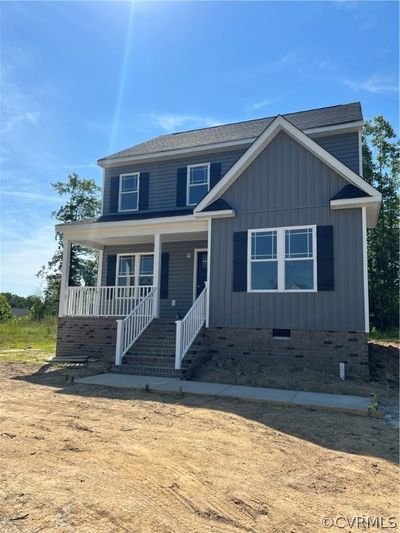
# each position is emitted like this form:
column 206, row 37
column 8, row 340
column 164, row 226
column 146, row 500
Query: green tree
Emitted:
column 5, row 309
column 381, row 152
column 82, row 202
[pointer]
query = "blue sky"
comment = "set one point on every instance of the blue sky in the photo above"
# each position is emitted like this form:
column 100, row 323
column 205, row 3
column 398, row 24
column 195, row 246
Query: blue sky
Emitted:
column 80, row 80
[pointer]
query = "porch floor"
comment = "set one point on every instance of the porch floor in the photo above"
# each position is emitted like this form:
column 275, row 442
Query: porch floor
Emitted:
column 357, row 404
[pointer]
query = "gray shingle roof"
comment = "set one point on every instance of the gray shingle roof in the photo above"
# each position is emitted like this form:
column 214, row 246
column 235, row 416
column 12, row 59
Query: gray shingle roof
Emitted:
column 304, row 120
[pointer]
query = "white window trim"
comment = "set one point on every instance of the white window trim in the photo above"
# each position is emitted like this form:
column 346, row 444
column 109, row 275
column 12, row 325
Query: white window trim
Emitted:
column 120, row 192
column 280, row 258
column 208, row 165
column 137, row 256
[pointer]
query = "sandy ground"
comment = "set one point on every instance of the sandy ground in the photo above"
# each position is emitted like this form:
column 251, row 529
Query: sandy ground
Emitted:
column 91, row 459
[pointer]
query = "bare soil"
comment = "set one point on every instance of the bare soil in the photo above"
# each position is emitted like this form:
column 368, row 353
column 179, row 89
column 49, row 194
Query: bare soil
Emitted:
column 92, row 459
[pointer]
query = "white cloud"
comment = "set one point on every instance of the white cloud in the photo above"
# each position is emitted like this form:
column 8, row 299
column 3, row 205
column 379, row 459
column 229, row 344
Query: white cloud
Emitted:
column 261, row 104
column 13, row 120
column 31, row 196
column 377, row 84
column 172, row 122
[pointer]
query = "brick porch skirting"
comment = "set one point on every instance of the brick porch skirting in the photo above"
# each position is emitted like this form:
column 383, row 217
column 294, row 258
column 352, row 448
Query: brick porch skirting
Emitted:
column 92, row 336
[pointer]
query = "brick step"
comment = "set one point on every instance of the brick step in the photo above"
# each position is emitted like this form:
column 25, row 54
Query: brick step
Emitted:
column 140, row 370
column 168, row 362
column 155, row 341
column 151, row 352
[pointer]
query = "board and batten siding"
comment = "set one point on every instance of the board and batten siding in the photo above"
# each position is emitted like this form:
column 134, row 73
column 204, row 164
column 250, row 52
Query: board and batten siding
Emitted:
column 344, row 147
column 180, row 272
column 286, row 185
column 162, row 177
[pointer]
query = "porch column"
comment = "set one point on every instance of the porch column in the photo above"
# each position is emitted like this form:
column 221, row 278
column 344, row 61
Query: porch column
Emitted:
column 100, row 268
column 157, row 271
column 65, row 267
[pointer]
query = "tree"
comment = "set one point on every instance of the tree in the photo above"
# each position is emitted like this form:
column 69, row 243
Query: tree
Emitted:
column 5, row 309
column 83, row 202
column 21, row 302
column 381, row 162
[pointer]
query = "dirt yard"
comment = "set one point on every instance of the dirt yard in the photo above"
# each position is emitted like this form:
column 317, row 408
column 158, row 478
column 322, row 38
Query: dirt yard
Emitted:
column 91, row 459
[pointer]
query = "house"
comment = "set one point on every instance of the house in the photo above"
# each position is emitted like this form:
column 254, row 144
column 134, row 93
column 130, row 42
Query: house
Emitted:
column 246, row 239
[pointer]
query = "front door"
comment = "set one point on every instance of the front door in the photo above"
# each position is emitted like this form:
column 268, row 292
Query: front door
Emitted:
column 201, row 271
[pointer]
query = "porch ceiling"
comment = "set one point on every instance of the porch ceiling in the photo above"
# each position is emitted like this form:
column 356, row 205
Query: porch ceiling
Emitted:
column 98, row 235
column 101, row 242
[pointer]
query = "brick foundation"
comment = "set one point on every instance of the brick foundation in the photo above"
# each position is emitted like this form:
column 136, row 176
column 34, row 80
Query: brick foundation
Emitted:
column 94, row 337
column 318, row 350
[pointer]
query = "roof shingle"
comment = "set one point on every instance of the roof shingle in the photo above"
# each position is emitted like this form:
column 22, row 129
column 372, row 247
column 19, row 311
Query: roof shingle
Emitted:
column 250, row 129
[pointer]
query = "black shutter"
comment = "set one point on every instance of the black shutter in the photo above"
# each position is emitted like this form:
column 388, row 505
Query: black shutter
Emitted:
column 181, row 179
column 111, row 270
column 144, row 191
column 325, row 270
column 215, row 174
column 114, row 194
column 164, row 275
column 239, row 261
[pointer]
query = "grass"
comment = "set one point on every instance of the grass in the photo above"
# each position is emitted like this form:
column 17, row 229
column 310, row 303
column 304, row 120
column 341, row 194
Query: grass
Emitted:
column 26, row 340
column 390, row 335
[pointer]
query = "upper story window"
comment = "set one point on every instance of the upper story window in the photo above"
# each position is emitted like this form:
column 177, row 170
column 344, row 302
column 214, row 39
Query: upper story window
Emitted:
column 129, row 192
column 198, row 182
column 282, row 259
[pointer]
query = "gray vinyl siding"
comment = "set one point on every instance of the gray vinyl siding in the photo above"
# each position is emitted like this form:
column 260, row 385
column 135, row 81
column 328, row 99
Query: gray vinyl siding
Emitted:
column 180, row 277
column 286, row 185
column 344, row 147
column 162, row 177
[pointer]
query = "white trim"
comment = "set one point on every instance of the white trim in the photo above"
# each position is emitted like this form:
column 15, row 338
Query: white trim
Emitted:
column 360, row 159
column 342, row 128
column 365, row 266
column 188, row 180
column 100, row 268
column 120, row 191
column 195, row 258
column 208, row 272
column 113, row 162
column 157, row 272
column 65, row 268
column 136, row 274
column 223, row 213
column 353, row 202
column 281, row 259
column 281, row 124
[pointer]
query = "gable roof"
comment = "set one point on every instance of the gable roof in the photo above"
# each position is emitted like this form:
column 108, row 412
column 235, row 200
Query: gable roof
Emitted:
column 281, row 123
column 242, row 131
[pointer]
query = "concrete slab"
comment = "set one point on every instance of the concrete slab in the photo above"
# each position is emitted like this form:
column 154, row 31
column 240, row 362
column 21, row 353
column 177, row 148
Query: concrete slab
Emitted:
column 259, row 393
column 223, row 390
column 336, row 401
column 192, row 387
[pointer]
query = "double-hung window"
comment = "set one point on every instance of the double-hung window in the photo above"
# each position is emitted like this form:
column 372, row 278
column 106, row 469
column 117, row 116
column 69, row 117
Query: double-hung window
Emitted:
column 282, row 259
column 135, row 269
column 198, row 183
column 129, row 192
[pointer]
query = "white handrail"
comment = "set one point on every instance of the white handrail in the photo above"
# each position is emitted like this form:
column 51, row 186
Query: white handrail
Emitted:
column 132, row 326
column 188, row 328
column 104, row 301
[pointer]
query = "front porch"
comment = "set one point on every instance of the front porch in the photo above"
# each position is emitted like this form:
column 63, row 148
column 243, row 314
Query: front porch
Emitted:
column 142, row 277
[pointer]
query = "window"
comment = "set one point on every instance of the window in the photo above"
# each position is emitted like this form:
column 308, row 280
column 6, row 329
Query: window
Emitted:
column 282, row 259
column 129, row 192
column 198, row 182
column 299, row 263
column 264, row 264
column 135, row 269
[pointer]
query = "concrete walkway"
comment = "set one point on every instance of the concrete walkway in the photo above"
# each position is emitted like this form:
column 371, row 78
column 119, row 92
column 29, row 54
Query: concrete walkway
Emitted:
column 291, row 397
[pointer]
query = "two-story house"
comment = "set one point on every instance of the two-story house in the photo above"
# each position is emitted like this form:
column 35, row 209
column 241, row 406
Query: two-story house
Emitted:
column 243, row 239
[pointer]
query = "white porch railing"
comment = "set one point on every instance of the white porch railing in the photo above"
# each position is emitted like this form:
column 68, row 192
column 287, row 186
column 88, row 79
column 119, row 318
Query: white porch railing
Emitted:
column 132, row 326
column 104, row 301
column 188, row 328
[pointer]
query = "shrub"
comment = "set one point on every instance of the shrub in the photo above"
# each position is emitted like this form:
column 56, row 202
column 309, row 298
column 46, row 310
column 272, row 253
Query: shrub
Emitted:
column 5, row 309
